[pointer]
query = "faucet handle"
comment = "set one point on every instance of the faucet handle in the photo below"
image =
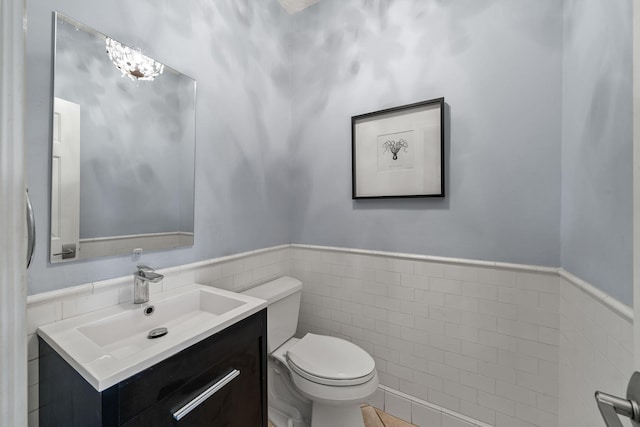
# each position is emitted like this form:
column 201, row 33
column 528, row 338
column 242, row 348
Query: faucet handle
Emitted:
column 144, row 269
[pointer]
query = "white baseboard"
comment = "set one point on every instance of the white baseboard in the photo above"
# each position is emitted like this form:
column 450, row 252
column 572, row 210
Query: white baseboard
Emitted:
column 417, row 411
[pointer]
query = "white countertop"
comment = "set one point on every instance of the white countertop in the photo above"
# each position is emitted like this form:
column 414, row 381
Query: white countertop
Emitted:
column 110, row 345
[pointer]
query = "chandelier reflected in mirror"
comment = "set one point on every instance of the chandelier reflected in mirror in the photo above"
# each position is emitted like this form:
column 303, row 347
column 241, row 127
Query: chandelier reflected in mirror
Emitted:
column 133, row 63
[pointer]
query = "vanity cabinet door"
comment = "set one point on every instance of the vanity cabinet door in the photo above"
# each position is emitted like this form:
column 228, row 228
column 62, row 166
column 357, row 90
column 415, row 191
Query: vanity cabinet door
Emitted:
column 151, row 397
column 233, row 404
column 230, row 363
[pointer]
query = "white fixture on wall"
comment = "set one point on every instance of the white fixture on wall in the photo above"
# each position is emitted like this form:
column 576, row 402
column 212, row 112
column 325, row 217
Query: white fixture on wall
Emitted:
column 133, row 63
column 295, row 6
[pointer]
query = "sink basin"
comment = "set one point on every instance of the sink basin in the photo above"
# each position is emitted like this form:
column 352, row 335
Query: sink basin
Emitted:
column 110, row 345
column 176, row 314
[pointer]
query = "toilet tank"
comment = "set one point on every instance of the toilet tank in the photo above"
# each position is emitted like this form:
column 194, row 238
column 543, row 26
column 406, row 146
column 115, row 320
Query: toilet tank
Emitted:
column 283, row 305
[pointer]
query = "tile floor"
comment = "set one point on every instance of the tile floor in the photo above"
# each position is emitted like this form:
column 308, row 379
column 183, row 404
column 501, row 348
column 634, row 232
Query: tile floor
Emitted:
column 374, row 417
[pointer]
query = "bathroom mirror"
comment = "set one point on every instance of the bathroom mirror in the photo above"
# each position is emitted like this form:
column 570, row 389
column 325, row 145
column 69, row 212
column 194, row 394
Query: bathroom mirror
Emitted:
column 122, row 150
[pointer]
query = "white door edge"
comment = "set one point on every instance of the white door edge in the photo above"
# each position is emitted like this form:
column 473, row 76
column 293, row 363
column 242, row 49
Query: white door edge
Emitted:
column 65, row 179
column 13, row 257
column 636, row 182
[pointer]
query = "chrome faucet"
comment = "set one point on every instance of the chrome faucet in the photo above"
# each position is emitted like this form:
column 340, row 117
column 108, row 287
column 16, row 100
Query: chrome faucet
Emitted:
column 141, row 279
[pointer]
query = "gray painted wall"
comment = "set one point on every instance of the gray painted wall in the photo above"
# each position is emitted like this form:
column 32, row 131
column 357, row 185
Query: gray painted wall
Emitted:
column 498, row 63
column 237, row 54
column 597, row 144
column 273, row 130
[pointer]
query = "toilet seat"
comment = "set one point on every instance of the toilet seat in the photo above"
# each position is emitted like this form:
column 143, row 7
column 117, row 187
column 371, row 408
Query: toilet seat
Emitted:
column 330, row 361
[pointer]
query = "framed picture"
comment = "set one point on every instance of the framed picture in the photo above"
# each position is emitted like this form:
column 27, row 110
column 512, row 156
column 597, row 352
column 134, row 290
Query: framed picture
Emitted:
column 399, row 152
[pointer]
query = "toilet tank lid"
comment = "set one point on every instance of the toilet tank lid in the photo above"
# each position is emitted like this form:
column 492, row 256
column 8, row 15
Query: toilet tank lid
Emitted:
column 276, row 289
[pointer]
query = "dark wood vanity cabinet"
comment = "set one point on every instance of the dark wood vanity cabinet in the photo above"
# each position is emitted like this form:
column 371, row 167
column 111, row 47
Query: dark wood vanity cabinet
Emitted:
column 152, row 397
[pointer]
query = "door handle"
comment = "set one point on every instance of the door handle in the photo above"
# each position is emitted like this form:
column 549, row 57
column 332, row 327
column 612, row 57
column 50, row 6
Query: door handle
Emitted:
column 31, row 230
column 68, row 251
column 611, row 407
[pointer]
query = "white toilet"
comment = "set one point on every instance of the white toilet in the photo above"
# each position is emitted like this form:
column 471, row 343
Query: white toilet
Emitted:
column 317, row 378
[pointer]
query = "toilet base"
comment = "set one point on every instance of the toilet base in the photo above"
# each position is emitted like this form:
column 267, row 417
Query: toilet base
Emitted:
column 334, row 415
column 278, row 419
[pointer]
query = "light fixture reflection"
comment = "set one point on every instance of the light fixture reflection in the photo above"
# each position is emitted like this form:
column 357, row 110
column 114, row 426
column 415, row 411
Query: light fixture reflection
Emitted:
column 132, row 63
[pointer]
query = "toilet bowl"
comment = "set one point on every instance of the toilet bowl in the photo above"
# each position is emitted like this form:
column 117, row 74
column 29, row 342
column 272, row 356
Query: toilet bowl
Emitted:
column 316, row 380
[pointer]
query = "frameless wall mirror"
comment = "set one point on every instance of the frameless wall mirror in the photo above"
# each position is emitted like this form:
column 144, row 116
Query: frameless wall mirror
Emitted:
column 123, row 148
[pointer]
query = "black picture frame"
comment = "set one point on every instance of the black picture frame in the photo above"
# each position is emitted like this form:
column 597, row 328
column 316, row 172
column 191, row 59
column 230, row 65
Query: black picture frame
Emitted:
column 399, row 152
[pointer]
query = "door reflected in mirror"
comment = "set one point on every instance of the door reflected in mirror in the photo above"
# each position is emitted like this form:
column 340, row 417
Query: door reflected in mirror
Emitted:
column 123, row 148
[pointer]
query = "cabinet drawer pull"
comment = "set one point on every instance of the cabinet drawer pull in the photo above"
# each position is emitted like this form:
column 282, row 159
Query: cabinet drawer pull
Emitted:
column 182, row 412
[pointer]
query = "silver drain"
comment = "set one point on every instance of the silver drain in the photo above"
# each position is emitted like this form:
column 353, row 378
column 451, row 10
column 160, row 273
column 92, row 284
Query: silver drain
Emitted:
column 157, row 333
